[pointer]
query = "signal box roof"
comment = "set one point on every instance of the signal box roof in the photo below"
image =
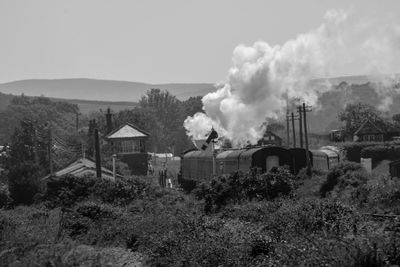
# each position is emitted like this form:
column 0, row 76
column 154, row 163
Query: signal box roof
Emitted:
column 127, row 131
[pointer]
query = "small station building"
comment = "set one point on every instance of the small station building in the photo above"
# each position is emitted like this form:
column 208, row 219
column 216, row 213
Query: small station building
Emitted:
column 129, row 144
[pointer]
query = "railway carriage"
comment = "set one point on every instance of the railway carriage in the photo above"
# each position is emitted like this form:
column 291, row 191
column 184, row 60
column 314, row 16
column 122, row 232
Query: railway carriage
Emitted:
column 198, row 165
column 265, row 158
column 324, row 159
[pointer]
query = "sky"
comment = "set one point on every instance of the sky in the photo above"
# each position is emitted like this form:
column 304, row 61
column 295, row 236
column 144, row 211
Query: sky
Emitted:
column 152, row 41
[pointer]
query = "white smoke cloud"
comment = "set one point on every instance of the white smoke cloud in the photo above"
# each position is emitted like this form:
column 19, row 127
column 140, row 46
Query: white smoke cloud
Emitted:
column 263, row 76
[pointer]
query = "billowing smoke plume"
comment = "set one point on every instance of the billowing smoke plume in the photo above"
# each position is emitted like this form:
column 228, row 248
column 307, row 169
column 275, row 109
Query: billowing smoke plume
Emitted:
column 263, row 77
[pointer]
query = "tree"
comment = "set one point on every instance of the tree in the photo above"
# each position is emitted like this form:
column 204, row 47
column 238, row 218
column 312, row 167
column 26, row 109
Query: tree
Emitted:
column 40, row 110
column 396, row 118
column 355, row 114
column 165, row 121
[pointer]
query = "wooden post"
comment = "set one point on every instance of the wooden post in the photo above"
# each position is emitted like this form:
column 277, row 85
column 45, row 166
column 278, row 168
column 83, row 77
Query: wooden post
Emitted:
column 294, row 131
column 306, row 140
column 213, row 159
column 113, row 162
column 287, row 130
column 300, row 126
column 97, row 153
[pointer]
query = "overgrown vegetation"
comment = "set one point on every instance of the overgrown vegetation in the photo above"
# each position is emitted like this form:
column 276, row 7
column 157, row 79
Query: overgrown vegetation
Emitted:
column 240, row 220
column 238, row 187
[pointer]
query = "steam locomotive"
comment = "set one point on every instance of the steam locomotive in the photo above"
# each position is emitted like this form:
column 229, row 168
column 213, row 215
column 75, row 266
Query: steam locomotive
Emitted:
column 197, row 165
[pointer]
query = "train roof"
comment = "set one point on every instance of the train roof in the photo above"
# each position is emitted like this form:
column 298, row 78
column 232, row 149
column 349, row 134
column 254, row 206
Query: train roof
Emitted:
column 324, row 153
column 224, row 154
column 330, row 153
column 192, row 154
column 251, row 151
column 235, row 153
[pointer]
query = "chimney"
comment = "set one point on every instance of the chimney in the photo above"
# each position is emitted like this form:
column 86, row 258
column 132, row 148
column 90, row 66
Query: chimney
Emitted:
column 108, row 121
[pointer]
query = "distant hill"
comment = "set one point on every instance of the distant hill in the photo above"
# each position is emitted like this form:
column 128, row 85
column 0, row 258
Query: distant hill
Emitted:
column 85, row 106
column 100, row 90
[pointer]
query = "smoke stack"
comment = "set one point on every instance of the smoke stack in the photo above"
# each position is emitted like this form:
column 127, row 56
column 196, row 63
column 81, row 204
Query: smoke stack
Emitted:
column 108, row 120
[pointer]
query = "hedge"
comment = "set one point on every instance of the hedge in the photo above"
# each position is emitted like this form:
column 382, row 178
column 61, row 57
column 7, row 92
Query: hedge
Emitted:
column 353, row 150
column 381, row 152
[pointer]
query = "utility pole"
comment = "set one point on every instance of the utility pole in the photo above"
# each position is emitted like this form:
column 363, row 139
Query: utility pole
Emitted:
column 113, row 162
column 305, row 110
column 213, row 158
column 294, row 131
column 97, row 152
column 299, row 110
column 49, row 146
column 287, row 129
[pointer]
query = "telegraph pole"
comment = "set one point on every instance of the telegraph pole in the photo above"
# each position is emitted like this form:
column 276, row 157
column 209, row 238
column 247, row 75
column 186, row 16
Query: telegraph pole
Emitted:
column 299, row 110
column 287, row 129
column 294, row 131
column 97, row 152
column 305, row 110
column 213, row 158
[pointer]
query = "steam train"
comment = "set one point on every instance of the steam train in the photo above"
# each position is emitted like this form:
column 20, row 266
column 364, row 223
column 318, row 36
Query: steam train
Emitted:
column 197, row 165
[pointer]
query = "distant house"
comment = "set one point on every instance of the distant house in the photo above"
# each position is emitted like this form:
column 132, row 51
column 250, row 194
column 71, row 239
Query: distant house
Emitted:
column 337, row 135
column 129, row 143
column 368, row 131
column 269, row 138
column 83, row 167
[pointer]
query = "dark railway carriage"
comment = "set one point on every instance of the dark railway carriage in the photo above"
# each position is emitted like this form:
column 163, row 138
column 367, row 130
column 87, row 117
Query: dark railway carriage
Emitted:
column 205, row 166
column 299, row 158
column 227, row 161
column 187, row 164
column 265, row 158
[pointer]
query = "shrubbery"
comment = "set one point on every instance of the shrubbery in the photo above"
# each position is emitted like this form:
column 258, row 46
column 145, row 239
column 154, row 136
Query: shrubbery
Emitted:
column 354, row 151
column 23, row 183
column 69, row 190
column 5, row 199
column 342, row 176
column 380, row 152
column 256, row 222
column 238, row 186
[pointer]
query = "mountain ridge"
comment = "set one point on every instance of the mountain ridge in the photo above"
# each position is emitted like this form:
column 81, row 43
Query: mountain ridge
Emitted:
column 100, row 90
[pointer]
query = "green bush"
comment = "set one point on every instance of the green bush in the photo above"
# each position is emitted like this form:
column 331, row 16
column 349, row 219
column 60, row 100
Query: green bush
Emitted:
column 380, row 152
column 23, row 183
column 5, row 199
column 67, row 190
column 343, row 175
column 353, row 151
column 122, row 191
column 238, row 187
column 383, row 195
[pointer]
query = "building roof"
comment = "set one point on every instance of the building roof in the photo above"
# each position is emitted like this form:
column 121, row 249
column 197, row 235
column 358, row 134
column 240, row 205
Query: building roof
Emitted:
column 368, row 127
column 83, row 167
column 127, row 130
column 269, row 133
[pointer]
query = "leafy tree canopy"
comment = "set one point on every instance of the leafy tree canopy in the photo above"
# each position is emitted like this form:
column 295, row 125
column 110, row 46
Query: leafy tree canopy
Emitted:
column 355, row 114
